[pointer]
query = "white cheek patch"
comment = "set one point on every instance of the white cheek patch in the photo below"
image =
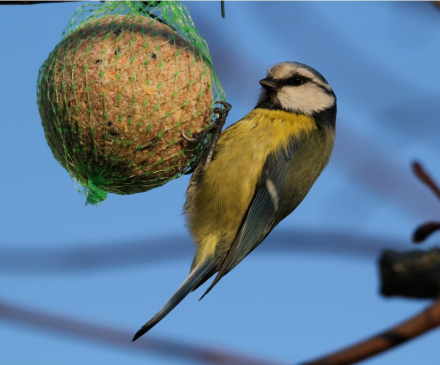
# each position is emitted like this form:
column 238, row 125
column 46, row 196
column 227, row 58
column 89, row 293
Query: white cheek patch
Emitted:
column 307, row 99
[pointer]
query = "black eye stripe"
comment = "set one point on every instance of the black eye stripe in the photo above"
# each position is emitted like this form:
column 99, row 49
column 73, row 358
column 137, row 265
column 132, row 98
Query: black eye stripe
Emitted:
column 288, row 82
column 295, row 80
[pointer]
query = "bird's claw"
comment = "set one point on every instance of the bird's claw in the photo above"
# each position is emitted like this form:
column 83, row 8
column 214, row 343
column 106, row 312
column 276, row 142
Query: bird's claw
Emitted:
column 189, row 139
column 227, row 106
column 215, row 128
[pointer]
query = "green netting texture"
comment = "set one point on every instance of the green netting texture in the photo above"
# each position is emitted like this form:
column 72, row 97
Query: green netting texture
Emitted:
column 120, row 89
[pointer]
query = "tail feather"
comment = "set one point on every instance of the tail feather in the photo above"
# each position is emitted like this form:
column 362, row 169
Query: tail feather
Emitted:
column 205, row 277
column 187, row 286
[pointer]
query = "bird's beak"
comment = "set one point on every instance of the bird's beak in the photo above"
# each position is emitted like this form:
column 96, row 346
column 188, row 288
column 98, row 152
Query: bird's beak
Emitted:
column 269, row 84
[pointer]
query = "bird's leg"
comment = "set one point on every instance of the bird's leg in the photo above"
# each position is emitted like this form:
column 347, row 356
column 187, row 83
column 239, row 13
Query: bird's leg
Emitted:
column 215, row 130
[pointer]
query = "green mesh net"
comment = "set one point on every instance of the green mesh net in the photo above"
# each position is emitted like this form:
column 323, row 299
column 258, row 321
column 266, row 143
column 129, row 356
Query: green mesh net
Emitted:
column 118, row 91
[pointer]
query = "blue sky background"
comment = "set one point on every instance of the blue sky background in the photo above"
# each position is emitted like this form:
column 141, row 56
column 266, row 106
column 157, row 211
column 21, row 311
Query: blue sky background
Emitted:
column 312, row 286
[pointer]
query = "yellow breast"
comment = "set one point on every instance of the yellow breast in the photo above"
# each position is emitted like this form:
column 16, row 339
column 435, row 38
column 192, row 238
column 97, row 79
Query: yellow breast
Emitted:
column 224, row 193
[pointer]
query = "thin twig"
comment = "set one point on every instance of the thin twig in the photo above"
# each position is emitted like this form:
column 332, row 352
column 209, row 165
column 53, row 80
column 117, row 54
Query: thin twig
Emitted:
column 33, row 2
column 425, row 178
column 413, row 327
column 121, row 338
column 92, row 256
column 424, row 231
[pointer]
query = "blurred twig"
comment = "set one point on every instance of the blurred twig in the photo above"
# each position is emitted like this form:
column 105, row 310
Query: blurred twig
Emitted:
column 33, row 2
column 121, row 338
column 84, row 256
column 425, row 230
column 413, row 327
column 421, row 173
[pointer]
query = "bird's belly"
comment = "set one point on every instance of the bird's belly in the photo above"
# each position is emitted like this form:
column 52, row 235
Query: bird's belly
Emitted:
column 304, row 169
column 220, row 199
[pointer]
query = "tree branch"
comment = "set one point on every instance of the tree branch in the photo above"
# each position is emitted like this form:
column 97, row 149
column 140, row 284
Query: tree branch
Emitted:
column 121, row 338
column 33, row 2
column 413, row 327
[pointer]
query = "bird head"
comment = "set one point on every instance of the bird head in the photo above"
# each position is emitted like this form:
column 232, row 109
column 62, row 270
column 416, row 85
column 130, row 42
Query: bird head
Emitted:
column 295, row 87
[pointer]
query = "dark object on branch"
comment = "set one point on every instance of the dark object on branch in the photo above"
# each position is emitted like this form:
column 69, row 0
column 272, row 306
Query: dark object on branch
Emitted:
column 425, row 230
column 413, row 274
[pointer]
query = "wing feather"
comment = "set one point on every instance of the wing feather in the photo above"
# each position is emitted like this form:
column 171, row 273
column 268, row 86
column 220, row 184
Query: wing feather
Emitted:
column 261, row 215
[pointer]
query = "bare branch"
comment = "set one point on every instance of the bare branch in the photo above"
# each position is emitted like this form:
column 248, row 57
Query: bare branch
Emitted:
column 33, row 2
column 413, row 327
column 121, row 338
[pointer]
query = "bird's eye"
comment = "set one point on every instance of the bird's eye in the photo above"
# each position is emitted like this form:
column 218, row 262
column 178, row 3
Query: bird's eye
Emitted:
column 297, row 80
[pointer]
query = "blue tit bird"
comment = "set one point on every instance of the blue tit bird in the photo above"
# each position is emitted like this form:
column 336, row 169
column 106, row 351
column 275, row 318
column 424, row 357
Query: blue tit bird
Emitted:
column 263, row 166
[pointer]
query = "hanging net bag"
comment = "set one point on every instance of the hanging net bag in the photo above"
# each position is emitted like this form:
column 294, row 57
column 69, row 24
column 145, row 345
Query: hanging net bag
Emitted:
column 118, row 91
